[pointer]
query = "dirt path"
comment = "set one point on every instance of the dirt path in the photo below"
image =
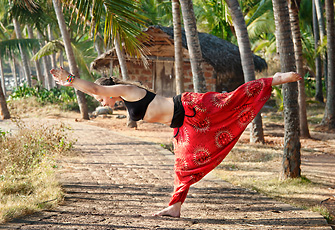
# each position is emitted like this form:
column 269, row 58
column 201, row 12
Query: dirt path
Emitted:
column 118, row 182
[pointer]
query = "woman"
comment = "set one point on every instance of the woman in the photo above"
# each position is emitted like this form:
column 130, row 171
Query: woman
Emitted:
column 206, row 126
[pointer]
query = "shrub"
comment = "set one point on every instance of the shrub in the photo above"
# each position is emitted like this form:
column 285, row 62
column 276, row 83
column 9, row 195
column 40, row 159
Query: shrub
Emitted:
column 28, row 158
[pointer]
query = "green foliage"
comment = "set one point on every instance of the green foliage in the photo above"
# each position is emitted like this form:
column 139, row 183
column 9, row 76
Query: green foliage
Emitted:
column 279, row 98
column 65, row 97
column 2, row 134
column 310, row 86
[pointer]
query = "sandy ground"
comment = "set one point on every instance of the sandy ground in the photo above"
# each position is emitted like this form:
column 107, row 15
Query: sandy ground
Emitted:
column 121, row 176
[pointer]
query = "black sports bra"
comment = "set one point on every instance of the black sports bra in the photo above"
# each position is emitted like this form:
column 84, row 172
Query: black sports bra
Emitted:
column 137, row 109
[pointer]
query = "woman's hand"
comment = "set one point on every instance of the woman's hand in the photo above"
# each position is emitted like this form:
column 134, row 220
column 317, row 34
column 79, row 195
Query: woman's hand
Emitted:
column 60, row 75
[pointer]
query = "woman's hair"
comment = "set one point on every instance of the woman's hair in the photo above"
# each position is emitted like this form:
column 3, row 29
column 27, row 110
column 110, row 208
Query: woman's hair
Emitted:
column 115, row 81
column 105, row 81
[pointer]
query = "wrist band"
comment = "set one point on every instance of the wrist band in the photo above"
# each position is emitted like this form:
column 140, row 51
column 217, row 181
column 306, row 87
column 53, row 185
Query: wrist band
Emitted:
column 70, row 78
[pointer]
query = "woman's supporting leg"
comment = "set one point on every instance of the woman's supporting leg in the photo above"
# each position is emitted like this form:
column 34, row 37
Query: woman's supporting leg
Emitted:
column 173, row 211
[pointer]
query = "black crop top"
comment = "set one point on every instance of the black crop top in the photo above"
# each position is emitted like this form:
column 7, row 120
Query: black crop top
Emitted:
column 137, row 109
column 178, row 113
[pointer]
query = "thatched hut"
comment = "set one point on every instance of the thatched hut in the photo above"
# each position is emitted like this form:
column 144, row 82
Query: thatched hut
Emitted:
column 221, row 65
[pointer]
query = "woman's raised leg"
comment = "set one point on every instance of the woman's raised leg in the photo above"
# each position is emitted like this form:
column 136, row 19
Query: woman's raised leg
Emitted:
column 281, row 78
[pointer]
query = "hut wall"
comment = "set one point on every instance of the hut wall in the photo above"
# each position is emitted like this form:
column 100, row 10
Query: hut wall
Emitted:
column 160, row 76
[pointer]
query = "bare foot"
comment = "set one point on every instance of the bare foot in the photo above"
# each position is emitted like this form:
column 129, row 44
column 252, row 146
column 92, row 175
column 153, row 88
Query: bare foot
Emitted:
column 173, row 211
column 281, row 78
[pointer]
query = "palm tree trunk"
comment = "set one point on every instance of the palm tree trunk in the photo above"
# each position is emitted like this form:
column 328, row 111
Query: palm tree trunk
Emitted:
column 329, row 116
column 13, row 67
column 178, row 47
column 70, row 56
column 36, row 62
column 24, row 55
column 121, row 58
column 4, row 112
column 3, row 85
column 193, row 44
column 124, row 73
column 52, row 57
column 291, row 157
column 294, row 19
column 45, row 64
column 318, row 64
column 322, row 29
column 256, row 130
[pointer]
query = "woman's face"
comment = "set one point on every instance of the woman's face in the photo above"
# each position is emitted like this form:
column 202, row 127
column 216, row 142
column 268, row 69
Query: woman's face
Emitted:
column 106, row 101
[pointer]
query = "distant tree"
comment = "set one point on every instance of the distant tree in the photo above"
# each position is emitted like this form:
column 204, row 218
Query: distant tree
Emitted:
column 4, row 112
column 318, row 63
column 329, row 115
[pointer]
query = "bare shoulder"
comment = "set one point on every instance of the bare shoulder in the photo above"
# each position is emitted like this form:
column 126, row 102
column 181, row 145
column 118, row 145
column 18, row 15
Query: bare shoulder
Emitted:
column 130, row 92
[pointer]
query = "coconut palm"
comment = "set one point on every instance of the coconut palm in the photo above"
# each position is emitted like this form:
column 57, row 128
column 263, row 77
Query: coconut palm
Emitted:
column 329, row 115
column 256, row 134
column 4, row 112
column 70, row 56
column 193, row 44
column 291, row 157
column 23, row 52
column 120, row 19
column 318, row 25
column 178, row 47
column 296, row 35
column 318, row 66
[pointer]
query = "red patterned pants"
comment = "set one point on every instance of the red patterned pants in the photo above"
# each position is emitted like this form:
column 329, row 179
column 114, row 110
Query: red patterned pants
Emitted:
column 213, row 123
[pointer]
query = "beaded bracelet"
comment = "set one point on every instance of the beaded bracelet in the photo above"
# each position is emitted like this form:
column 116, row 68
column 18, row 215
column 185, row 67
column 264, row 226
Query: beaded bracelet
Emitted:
column 70, row 78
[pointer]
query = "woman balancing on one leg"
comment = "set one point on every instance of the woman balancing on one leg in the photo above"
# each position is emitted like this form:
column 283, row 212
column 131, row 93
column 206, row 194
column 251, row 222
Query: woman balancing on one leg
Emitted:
column 206, row 126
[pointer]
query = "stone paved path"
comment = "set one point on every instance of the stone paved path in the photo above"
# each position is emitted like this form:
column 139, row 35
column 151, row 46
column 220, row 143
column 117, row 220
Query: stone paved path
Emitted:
column 118, row 182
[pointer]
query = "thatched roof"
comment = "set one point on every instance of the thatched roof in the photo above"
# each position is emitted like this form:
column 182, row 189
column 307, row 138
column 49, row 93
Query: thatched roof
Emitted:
column 222, row 55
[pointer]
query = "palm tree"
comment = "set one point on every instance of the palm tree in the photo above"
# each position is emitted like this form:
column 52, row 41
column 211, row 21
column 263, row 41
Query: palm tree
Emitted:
column 36, row 62
column 291, row 157
column 124, row 73
column 23, row 52
column 4, row 112
column 256, row 134
column 322, row 32
column 193, row 45
column 178, row 48
column 294, row 19
column 70, row 56
column 2, row 77
column 329, row 116
column 318, row 64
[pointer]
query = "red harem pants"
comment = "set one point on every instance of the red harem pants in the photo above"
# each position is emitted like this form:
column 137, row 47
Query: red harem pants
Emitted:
column 213, row 123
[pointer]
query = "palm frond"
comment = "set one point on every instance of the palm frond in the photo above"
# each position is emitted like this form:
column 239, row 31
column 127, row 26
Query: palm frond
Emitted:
column 119, row 17
column 79, row 56
column 13, row 45
column 49, row 48
column 263, row 24
column 263, row 7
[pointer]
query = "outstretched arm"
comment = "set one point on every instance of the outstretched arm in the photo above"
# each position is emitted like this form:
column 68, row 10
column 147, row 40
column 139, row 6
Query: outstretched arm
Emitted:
column 61, row 77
